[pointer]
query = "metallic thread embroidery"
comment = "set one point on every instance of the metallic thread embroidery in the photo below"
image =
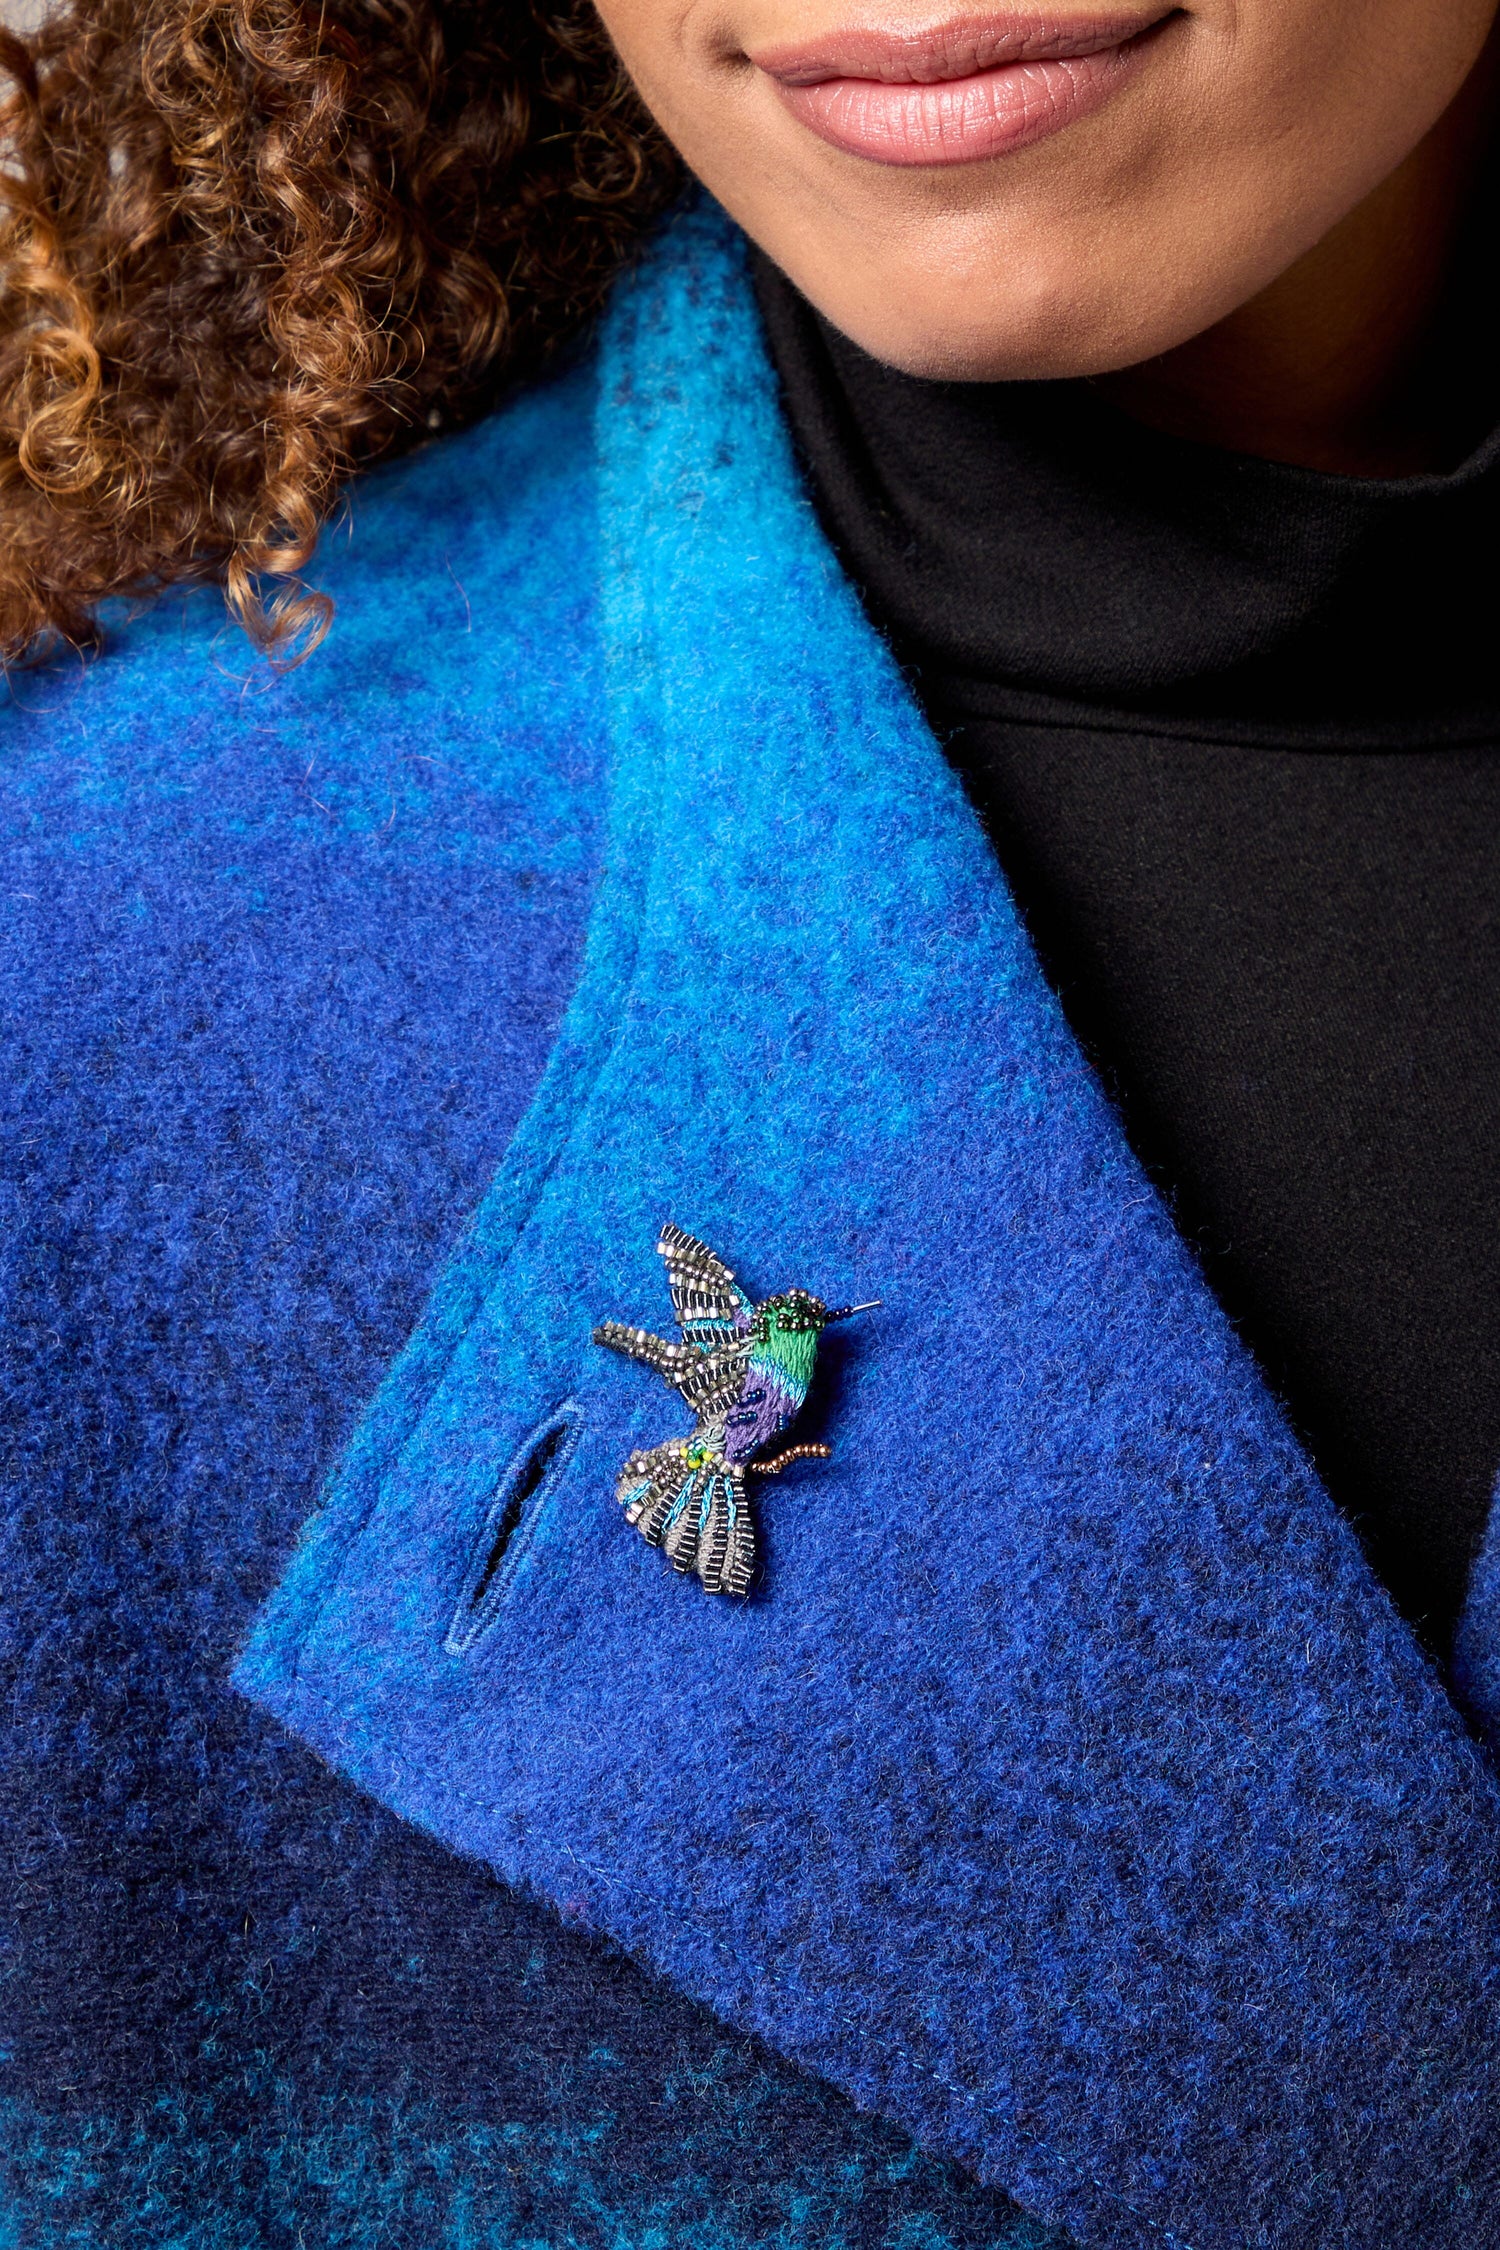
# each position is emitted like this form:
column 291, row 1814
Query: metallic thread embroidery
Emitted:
column 745, row 1370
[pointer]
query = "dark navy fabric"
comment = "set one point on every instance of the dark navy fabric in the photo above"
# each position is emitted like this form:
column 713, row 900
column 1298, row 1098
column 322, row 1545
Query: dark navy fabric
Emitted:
column 282, row 964
column 1071, row 1792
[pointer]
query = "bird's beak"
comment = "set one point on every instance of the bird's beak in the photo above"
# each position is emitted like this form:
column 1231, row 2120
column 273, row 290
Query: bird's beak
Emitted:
column 846, row 1312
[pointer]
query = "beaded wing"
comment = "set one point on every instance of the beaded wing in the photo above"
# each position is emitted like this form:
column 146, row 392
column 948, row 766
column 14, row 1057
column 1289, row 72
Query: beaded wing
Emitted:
column 745, row 1370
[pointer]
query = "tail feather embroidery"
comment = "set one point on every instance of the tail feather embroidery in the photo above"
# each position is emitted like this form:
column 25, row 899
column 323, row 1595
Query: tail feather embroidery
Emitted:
column 695, row 1509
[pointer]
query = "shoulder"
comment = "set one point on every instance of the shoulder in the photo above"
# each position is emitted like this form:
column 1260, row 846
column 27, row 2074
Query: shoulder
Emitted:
column 479, row 549
column 241, row 905
column 462, row 669
column 448, row 570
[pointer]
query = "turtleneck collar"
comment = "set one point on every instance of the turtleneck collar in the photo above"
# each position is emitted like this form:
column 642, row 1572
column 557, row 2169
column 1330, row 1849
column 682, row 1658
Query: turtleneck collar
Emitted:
column 1029, row 545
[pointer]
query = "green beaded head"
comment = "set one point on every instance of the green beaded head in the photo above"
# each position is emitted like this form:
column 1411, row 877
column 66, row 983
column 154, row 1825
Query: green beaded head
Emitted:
column 795, row 1312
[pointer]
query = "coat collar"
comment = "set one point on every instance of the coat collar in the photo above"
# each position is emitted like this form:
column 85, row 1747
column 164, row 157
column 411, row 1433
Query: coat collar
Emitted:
column 1072, row 1794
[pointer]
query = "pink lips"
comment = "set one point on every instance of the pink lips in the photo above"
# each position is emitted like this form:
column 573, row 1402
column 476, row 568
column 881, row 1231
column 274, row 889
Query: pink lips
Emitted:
column 962, row 91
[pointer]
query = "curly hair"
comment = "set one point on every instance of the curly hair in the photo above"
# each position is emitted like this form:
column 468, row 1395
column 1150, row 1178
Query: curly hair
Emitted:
column 248, row 246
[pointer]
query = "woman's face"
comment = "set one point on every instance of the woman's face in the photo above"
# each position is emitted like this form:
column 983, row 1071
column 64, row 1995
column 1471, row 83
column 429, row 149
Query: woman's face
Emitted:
column 986, row 191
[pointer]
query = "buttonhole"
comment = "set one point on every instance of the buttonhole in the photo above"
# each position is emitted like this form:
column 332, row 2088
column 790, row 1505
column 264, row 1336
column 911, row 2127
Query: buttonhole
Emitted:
column 528, row 1483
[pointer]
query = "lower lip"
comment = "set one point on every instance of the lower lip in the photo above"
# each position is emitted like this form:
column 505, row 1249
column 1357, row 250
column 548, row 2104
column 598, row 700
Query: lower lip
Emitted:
column 960, row 120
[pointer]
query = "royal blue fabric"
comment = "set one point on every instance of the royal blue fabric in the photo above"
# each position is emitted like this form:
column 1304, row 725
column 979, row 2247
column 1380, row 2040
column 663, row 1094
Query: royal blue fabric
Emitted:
column 1071, row 1792
column 1476, row 1647
column 281, row 964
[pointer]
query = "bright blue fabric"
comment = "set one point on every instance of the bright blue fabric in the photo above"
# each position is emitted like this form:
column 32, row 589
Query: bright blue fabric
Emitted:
column 281, row 965
column 1071, row 1793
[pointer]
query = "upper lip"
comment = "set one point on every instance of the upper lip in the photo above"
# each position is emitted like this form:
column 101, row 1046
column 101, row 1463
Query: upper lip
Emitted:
column 961, row 47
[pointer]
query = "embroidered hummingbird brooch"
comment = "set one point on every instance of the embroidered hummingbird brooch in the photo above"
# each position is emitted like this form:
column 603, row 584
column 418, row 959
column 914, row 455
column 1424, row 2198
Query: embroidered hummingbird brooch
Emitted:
column 745, row 1370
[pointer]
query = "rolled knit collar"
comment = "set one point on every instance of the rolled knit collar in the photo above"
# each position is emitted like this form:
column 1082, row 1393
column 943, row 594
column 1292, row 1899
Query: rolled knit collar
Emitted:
column 1036, row 546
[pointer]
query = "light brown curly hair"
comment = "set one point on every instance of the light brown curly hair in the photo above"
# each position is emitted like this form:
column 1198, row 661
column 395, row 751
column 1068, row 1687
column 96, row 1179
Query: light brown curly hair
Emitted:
column 247, row 246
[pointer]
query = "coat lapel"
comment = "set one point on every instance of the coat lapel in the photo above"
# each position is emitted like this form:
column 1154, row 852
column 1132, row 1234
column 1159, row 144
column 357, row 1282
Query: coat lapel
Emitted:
column 1070, row 1792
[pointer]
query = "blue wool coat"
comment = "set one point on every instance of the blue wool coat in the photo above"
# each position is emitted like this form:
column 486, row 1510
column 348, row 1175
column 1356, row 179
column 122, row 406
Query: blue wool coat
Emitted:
column 1068, row 1841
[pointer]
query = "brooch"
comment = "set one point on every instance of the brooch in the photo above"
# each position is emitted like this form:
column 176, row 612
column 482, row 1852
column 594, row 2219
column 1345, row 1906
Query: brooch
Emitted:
column 745, row 1370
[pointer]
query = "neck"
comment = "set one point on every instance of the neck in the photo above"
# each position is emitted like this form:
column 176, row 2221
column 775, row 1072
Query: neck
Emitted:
column 1347, row 362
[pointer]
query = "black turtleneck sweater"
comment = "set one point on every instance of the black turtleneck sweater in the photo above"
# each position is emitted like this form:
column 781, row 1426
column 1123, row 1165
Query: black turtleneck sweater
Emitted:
column 1234, row 728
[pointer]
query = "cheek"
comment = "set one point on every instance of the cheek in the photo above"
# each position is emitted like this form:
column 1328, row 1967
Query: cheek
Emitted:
column 1249, row 129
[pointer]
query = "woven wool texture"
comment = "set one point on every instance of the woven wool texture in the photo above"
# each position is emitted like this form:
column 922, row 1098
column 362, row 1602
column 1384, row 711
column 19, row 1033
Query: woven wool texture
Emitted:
column 281, row 966
column 1071, row 1793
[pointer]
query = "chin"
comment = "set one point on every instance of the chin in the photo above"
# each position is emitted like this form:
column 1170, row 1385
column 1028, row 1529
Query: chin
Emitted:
column 997, row 351
column 1041, row 334
column 1034, row 306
